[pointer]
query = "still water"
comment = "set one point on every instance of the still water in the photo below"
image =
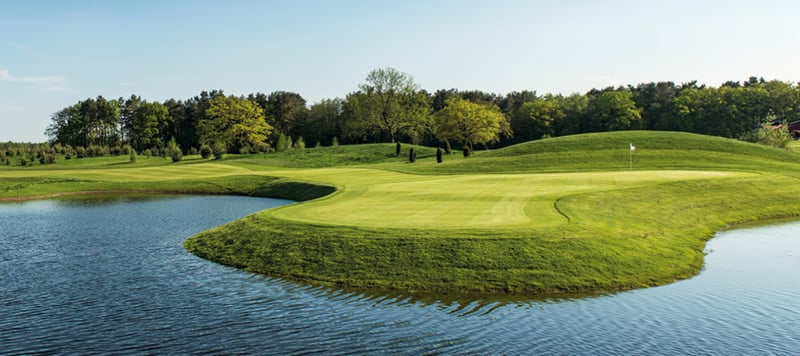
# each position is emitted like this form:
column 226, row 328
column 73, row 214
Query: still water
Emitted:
column 110, row 276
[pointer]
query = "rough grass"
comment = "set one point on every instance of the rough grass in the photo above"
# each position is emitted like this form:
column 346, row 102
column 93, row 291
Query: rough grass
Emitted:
column 558, row 215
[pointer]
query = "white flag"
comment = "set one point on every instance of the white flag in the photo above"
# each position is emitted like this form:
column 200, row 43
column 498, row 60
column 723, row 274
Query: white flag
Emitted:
column 633, row 148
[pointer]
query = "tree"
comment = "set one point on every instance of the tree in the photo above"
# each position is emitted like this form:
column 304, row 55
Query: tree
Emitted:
column 235, row 123
column 151, row 124
column 470, row 123
column 536, row 119
column 285, row 110
column 613, row 110
column 324, row 121
column 389, row 103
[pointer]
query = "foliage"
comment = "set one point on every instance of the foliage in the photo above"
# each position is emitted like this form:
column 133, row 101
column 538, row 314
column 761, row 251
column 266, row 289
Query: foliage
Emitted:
column 205, row 151
column 174, row 151
column 132, row 155
column 300, row 144
column 283, row 143
column 769, row 134
column 234, row 122
column 388, row 104
column 219, row 150
column 470, row 123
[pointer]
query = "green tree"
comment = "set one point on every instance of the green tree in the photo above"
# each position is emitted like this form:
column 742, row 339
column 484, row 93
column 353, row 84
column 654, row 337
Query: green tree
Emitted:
column 324, row 121
column 389, row 103
column 537, row 118
column 235, row 123
column 613, row 110
column 470, row 123
column 286, row 111
column 151, row 121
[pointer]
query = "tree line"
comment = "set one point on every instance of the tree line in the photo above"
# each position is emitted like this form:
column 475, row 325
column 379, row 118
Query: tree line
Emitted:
column 390, row 107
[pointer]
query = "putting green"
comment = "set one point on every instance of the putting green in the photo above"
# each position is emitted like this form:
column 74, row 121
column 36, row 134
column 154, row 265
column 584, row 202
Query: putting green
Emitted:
column 388, row 199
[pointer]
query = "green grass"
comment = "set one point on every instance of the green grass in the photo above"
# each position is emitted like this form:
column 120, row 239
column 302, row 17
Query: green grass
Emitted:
column 558, row 215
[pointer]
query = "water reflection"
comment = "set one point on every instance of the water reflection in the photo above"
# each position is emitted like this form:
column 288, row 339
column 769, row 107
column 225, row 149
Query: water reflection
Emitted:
column 112, row 277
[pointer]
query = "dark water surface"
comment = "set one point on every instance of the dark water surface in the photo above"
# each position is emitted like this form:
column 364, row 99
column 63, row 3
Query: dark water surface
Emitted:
column 111, row 277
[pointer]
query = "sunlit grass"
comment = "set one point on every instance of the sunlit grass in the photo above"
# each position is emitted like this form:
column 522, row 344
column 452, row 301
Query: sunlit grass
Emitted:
column 570, row 214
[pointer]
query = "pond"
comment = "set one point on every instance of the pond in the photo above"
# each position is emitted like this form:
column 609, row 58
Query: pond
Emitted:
column 109, row 275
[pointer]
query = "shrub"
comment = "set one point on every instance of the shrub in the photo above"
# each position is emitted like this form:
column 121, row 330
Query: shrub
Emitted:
column 68, row 156
column 245, row 150
column 193, row 151
column 335, row 141
column 177, row 156
column 300, row 144
column 205, row 151
column 125, row 150
column 115, row 151
column 131, row 154
column 23, row 162
column 283, row 143
column 438, row 155
column 412, row 155
column 148, row 153
column 397, row 150
column 219, row 150
column 80, row 152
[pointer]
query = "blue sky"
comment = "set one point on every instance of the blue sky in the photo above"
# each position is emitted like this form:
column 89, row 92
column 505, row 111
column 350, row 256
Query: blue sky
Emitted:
column 55, row 53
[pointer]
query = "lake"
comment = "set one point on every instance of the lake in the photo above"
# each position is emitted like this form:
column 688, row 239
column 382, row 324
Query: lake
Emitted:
column 109, row 275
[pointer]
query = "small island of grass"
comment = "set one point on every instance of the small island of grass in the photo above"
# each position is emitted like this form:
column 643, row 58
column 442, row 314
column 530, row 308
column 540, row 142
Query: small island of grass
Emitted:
column 571, row 214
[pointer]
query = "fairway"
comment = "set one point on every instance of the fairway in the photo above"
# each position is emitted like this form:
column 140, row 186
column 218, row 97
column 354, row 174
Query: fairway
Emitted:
column 387, row 199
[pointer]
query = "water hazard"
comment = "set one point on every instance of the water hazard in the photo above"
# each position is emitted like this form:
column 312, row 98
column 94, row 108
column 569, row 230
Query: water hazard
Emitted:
column 110, row 276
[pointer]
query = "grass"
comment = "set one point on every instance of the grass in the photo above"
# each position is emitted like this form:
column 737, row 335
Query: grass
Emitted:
column 558, row 215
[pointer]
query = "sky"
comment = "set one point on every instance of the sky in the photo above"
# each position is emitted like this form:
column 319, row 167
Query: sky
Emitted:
column 56, row 53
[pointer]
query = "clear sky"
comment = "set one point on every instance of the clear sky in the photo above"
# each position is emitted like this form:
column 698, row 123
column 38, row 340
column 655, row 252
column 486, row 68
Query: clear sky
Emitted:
column 56, row 53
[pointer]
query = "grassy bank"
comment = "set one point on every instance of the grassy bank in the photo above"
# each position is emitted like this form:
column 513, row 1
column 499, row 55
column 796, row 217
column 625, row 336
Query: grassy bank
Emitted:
column 566, row 214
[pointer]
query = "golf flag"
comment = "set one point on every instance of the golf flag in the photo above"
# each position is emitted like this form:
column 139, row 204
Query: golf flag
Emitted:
column 633, row 148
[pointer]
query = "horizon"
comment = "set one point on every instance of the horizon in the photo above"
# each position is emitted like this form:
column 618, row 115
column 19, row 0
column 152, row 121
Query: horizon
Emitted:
column 56, row 54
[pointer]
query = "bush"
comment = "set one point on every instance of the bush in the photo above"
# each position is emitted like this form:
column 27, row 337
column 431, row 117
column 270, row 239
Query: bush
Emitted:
column 335, row 141
column 245, row 150
column 131, row 154
column 68, row 156
column 438, row 155
column 300, row 144
column 769, row 135
column 219, row 150
column 283, row 143
column 125, row 150
column 23, row 162
column 80, row 152
column 177, row 155
column 115, row 151
column 205, row 151
column 148, row 153
column 47, row 158
column 193, row 151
